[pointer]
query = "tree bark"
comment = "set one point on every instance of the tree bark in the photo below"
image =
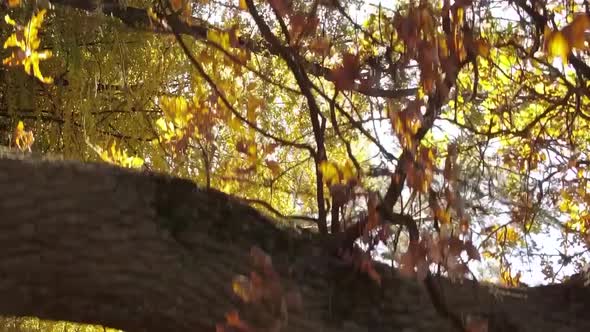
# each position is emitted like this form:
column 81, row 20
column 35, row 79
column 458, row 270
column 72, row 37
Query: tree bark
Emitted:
column 98, row 244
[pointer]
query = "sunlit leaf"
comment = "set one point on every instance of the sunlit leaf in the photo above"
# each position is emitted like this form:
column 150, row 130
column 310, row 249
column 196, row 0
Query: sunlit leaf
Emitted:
column 243, row 5
column 27, row 42
column 22, row 138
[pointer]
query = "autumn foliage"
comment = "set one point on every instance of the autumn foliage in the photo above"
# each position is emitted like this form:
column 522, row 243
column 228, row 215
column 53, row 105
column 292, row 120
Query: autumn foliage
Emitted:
column 430, row 134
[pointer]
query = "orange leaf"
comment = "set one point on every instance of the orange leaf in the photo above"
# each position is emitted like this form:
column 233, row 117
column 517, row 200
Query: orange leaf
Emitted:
column 233, row 320
column 483, row 47
column 574, row 32
column 320, row 46
column 13, row 3
column 176, row 4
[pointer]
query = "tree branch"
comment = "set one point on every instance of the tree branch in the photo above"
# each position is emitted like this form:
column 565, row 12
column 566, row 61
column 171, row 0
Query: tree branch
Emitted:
column 227, row 104
column 314, row 110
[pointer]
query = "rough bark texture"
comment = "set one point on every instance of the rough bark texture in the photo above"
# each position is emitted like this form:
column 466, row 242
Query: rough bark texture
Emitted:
column 142, row 252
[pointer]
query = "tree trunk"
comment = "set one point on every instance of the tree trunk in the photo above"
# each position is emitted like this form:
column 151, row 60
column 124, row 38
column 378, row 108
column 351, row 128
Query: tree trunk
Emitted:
column 143, row 252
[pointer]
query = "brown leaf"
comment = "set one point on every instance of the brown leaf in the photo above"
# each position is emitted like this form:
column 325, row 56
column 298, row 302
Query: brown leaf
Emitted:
column 472, row 251
column 283, row 7
column 373, row 216
column 464, row 224
column 320, row 46
column 242, row 146
column 455, row 246
column 259, row 258
column 483, row 47
column 269, row 148
column 574, row 32
column 302, row 25
column 274, row 167
column 245, row 171
column 294, row 300
column 435, row 252
column 343, row 76
column 421, row 270
column 477, row 325
column 351, row 61
column 340, row 193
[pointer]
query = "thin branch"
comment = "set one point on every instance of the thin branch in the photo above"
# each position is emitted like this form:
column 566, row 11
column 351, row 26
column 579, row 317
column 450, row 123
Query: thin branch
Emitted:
column 269, row 207
column 226, row 102
column 314, row 110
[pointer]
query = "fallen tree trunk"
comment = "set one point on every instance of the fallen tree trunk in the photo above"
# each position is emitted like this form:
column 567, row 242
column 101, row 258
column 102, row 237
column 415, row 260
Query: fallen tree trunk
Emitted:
column 143, row 252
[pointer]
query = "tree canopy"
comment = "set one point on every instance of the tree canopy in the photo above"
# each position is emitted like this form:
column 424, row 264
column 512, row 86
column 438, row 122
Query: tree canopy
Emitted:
column 445, row 137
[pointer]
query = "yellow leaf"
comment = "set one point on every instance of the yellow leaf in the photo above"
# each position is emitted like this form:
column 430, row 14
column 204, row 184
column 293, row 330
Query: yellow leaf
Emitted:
column 114, row 148
column 161, row 123
column 252, row 149
column 241, row 287
column 348, row 171
column 243, row 5
column 9, row 20
column 119, row 157
column 22, row 139
column 105, row 156
column 27, row 41
column 330, row 172
column 564, row 206
column 32, row 62
column 136, row 162
column 235, row 124
column 219, row 37
column 507, row 234
column 556, row 45
column 460, row 14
